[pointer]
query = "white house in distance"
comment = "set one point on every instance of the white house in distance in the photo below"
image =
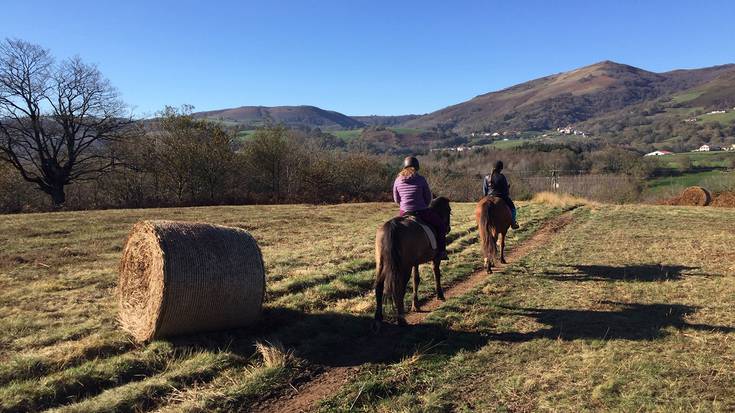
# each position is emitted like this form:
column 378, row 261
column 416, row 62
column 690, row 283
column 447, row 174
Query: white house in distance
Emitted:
column 658, row 153
column 703, row 148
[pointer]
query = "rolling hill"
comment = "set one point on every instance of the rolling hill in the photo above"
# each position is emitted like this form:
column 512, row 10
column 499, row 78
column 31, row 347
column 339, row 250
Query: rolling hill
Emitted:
column 610, row 100
column 580, row 95
column 291, row 116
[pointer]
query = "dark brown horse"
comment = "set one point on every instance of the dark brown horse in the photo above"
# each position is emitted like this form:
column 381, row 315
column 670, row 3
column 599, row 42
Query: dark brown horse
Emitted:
column 493, row 220
column 400, row 246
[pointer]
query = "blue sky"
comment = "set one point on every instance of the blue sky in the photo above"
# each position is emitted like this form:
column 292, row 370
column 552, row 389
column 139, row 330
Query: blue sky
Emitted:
column 362, row 57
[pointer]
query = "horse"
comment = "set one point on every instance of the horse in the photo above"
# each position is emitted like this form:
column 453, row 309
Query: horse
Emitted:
column 493, row 220
column 400, row 246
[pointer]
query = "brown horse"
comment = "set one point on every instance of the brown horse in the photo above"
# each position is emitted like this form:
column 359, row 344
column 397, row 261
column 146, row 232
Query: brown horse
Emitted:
column 493, row 220
column 400, row 246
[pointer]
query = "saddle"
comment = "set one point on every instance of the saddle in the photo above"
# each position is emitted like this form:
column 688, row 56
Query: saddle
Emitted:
column 427, row 229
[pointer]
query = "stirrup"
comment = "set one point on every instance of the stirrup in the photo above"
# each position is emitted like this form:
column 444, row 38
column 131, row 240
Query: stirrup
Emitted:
column 514, row 225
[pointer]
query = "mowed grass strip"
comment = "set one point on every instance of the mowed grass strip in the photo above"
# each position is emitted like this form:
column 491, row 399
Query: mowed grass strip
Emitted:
column 626, row 309
column 71, row 353
column 84, row 380
column 142, row 395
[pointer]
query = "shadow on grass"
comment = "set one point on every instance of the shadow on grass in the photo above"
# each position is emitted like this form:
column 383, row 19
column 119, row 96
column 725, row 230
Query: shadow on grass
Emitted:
column 337, row 339
column 639, row 272
column 631, row 322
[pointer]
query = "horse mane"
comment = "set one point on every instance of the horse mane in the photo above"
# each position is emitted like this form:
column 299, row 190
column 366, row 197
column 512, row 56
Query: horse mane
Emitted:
column 441, row 204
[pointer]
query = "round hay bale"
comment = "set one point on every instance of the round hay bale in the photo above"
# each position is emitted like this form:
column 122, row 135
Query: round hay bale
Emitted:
column 183, row 278
column 724, row 200
column 695, row 196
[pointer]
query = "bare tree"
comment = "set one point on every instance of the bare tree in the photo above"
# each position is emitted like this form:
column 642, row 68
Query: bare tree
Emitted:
column 56, row 119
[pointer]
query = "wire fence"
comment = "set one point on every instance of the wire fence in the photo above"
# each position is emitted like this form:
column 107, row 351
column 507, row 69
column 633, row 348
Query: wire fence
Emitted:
column 605, row 187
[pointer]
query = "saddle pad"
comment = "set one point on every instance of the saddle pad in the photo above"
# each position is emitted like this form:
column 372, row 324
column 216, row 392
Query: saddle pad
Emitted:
column 427, row 229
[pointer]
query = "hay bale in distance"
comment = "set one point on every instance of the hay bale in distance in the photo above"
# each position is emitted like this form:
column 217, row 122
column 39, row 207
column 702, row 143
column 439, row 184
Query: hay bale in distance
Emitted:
column 184, row 278
column 695, row 196
column 724, row 200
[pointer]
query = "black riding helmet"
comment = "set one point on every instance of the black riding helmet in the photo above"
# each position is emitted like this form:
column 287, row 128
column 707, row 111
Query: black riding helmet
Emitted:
column 411, row 162
column 499, row 166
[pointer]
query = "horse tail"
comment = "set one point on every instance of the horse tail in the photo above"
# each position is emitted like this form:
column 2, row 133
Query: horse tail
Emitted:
column 484, row 217
column 389, row 259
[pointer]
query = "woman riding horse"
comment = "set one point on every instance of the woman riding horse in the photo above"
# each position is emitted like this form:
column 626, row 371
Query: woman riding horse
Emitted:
column 497, row 185
column 412, row 194
column 402, row 244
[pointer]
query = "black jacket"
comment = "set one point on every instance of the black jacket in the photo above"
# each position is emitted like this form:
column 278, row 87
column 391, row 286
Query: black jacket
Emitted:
column 496, row 185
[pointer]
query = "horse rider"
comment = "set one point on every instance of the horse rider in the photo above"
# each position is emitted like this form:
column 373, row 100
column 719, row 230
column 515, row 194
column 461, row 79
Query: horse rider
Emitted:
column 412, row 194
column 497, row 185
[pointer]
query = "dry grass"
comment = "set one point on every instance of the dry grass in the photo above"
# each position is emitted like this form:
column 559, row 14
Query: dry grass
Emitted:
column 560, row 200
column 273, row 353
column 627, row 309
column 62, row 346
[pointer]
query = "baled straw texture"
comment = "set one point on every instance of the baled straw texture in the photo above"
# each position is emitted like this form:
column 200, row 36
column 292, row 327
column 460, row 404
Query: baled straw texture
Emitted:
column 183, row 278
column 695, row 196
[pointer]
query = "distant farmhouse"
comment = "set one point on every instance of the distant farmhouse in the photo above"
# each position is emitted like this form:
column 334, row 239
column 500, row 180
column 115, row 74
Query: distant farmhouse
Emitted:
column 569, row 130
column 730, row 148
column 659, row 153
column 706, row 148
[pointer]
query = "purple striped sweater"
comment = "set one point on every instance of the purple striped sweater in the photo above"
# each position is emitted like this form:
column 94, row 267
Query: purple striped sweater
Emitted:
column 412, row 193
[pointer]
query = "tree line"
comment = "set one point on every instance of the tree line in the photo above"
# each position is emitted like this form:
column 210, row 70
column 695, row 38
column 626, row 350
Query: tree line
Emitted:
column 68, row 141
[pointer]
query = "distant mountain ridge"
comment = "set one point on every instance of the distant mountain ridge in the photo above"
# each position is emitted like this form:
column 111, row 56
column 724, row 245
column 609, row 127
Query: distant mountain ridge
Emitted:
column 574, row 96
column 292, row 116
column 601, row 91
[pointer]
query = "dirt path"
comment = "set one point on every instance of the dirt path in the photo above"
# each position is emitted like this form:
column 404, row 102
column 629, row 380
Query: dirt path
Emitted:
column 305, row 396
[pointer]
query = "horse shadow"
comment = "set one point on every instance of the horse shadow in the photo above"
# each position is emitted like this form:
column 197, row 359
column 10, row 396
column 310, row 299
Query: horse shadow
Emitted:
column 637, row 272
column 345, row 340
column 335, row 339
column 632, row 321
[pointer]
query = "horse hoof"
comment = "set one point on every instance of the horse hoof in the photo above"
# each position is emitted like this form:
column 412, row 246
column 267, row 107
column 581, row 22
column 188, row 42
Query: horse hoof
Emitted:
column 376, row 327
column 440, row 297
column 415, row 308
column 489, row 271
column 502, row 261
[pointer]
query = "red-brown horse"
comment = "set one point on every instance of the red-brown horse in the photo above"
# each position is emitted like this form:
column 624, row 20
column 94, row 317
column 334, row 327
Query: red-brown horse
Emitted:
column 493, row 220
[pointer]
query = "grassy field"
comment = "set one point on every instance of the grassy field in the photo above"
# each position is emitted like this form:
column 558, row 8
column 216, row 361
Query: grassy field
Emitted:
column 686, row 97
column 638, row 320
column 669, row 186
column 715, row 159
column 723, row 118
column 347, row 135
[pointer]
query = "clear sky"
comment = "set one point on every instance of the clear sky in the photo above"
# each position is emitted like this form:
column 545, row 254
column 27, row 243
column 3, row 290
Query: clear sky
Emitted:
column 362, row 57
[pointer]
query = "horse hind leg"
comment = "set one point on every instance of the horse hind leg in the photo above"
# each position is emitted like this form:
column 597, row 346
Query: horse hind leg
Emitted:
column 398, row 295
column 438, row 280
column 378, row 322
column 501, row 241
column 416, row 280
